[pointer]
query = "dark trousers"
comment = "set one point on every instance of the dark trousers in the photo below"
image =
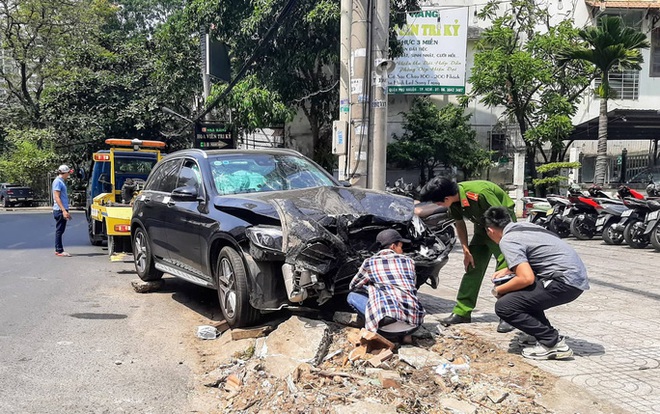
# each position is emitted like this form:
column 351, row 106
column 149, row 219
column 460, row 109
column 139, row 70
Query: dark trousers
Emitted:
column 524, row 309
column 60, row 226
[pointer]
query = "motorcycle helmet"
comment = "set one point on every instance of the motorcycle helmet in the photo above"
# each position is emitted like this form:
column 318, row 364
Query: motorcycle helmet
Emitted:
column 653, row 190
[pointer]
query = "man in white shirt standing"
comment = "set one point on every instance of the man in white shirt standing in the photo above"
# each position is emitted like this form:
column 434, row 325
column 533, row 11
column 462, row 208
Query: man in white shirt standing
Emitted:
column 61, row 208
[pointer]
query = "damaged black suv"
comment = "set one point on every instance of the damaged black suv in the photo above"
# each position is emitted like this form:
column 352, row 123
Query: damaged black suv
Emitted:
column 266, row 228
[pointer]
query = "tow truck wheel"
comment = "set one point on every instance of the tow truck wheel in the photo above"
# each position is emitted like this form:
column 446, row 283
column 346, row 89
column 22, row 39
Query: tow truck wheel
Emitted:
column 144, row 261
column 233, row 294
column 93, row 239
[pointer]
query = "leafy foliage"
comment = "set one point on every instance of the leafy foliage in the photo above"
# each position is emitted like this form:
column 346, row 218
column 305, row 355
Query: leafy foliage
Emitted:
column 517, row 67
column 551, row 179
column 609, row 46
column 26, row 163
column 435, row 137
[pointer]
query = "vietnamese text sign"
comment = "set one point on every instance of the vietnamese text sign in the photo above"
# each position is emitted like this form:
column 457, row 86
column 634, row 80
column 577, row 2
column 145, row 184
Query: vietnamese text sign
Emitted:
column 434, row 53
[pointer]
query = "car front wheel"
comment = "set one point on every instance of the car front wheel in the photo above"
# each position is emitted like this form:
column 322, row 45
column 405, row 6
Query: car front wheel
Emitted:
column 233, row 295
column 144, row 261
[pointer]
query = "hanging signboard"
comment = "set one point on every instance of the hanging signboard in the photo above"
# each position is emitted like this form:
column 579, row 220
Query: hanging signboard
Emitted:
column 213, row 135
column 434, row 53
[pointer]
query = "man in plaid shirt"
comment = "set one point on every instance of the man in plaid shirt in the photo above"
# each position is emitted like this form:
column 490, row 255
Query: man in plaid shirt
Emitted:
column 388, row 278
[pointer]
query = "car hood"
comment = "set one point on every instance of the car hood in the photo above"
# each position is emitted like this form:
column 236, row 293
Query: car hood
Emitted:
column 320, row 204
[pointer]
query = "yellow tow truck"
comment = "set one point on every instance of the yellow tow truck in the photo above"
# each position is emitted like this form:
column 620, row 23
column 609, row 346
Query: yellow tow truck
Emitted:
column 118, row 174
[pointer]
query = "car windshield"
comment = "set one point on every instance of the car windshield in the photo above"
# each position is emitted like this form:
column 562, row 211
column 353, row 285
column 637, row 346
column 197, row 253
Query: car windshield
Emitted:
column 133, row 166
column 246, row 173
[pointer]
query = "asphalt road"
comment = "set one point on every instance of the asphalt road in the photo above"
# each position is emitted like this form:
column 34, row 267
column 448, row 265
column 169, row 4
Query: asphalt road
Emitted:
column 76, row 338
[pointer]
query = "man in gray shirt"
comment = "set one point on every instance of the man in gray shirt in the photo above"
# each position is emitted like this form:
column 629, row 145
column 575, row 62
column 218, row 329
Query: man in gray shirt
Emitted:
column 548, row 273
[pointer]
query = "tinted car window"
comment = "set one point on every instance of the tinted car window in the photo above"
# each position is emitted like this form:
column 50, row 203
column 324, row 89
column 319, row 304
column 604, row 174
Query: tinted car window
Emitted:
column 164, row 177
column 235, row 174
column 189, row 175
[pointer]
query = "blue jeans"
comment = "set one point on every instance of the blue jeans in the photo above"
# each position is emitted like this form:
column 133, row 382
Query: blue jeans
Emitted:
column 60, row 226
column 358, row 301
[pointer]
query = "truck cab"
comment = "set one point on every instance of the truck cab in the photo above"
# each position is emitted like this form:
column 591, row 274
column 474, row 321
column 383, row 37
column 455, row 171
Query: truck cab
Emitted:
column 122, row 167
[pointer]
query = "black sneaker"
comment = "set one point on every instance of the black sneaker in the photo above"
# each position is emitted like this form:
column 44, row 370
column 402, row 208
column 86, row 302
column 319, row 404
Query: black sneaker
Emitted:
column 559, row 351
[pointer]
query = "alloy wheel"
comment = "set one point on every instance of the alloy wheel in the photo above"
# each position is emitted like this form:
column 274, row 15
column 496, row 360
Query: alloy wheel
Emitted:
column 227, row 287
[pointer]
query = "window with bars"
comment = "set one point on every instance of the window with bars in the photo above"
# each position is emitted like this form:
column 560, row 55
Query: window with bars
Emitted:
column 624, row 83
column 654, row 71
column 497, row 141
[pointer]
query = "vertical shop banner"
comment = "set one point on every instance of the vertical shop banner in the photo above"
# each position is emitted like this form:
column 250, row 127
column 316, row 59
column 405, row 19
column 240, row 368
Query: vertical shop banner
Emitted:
column 434, row 53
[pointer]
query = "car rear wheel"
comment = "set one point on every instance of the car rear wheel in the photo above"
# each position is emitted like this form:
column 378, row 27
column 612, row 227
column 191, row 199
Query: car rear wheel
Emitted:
column 144, row 261
column 5, row 202
column 233, row 295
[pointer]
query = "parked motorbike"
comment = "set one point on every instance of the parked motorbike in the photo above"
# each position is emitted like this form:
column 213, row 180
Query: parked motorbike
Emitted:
column 633, row 222
column 537, row 209
column 585, row 211
column 610, row 217
column 651, row 229
column 557, row 219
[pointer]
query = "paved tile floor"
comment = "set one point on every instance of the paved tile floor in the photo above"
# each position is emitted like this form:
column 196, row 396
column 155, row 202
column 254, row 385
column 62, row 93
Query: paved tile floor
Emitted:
column 613, row 328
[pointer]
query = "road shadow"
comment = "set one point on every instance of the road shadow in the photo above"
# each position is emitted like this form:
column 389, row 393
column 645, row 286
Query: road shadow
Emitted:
column 435, row 305
column 579, row 346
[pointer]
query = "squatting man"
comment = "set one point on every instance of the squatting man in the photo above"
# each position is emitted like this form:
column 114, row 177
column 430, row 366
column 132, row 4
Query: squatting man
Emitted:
column 383, row 291
column 546, row 271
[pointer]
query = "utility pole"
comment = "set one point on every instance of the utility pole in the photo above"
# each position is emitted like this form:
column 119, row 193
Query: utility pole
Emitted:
column 360, row 81
column 379, row 58
column 344, row 83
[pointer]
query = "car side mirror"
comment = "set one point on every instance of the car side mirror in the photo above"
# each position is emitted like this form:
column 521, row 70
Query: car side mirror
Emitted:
column 345, row 183
column 185, row 193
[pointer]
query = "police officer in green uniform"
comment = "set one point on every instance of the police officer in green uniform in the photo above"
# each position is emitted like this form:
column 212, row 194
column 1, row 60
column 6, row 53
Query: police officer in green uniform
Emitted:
column 470, row 200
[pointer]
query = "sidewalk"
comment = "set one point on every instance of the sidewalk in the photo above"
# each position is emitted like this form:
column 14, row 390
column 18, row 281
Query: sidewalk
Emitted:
column 613, row 328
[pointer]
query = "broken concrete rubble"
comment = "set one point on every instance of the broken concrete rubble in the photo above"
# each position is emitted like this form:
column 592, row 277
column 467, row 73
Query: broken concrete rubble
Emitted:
column 295, row 341
column 145, row 287
column 419, row 357
column 274, row 380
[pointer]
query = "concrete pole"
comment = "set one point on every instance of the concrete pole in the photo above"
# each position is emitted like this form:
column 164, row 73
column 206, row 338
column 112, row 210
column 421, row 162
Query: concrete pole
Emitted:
column 519, row 181
column 359, row 124
column 345, row 78
column 381, row 64
column 206, row 79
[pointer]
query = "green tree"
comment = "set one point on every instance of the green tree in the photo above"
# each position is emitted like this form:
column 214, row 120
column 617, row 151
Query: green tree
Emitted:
column 34, row 36
column 25, row 163
column 551, row 179
column 608, row 46
column 516, row 68
column 299, row 65
column 434, row 137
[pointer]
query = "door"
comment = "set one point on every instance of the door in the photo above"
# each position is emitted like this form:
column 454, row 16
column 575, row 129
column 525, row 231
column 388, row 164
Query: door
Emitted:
column 154, row 212
column 185, row 226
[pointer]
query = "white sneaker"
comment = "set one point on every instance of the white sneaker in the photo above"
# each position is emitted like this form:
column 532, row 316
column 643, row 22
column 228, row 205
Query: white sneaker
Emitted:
column 559, row 351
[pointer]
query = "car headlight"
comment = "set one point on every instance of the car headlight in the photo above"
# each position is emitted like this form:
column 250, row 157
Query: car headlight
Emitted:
column 266, row 237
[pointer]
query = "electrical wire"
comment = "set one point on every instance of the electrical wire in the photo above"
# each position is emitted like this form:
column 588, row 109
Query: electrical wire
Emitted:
column 243, row 71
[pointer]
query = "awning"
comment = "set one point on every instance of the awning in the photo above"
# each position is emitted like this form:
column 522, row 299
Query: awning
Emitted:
column 623, row 124
column 623, row 4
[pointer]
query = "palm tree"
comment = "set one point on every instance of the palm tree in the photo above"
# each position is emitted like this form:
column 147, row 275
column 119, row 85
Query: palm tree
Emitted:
column 611, row 45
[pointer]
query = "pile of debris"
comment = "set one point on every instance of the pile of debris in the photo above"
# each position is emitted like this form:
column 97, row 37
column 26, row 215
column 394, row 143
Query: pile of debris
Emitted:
column 311, row 366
